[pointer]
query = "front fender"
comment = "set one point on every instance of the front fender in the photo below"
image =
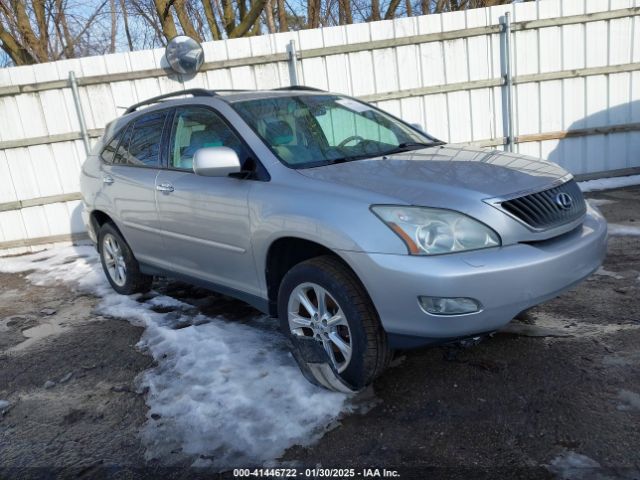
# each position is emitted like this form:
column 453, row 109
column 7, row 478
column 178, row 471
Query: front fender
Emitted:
column 337, row 222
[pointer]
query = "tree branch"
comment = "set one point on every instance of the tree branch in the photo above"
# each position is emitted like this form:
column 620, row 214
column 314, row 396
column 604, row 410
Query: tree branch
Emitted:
column 211, row 19
column 249, row 19
column 18, row 54
column 185, row 21
column 41, row 21
column 29, row 38
column 166, row 19
column 391, row 11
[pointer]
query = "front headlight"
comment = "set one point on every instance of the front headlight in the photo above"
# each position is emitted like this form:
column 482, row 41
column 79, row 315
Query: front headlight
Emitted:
column 433, row 231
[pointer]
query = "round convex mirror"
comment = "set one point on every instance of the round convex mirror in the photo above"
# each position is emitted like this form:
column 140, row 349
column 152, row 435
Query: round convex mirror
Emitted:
column 184, row 55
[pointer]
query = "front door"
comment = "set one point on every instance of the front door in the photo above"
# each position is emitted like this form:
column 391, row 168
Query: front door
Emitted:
column 204, row 221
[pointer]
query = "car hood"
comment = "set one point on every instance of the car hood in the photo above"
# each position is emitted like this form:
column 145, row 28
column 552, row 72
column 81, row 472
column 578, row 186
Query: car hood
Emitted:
column 436, row 176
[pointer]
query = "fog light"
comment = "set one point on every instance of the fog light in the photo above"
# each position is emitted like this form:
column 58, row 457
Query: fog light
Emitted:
column 449, row 306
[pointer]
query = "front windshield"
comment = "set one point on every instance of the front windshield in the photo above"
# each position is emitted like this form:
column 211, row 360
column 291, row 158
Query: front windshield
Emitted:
column 312, row 130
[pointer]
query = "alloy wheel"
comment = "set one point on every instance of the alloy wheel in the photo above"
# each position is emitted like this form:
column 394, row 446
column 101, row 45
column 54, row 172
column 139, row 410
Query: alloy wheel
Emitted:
column 114, row 260
column 314, row 313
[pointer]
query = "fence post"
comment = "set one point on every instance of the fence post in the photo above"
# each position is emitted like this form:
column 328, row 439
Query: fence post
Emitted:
column 79, row 112
column 508, row 80
column 293, row 63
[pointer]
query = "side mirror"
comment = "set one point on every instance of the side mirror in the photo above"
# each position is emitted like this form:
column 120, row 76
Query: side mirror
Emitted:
column 216, row 162
column 418, row 126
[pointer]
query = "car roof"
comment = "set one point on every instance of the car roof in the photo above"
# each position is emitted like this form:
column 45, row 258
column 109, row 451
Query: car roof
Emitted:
column 232, row 96
column 229, row 96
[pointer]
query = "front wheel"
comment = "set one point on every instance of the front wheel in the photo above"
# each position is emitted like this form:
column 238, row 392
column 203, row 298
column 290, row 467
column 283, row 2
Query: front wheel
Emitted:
column 322, row 304
column 119, row 264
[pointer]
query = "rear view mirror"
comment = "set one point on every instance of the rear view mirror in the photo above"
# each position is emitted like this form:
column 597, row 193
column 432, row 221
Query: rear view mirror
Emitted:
column 216, row 162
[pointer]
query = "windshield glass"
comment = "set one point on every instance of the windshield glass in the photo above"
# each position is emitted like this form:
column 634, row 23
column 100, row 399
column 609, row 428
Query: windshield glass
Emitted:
column 312, row 130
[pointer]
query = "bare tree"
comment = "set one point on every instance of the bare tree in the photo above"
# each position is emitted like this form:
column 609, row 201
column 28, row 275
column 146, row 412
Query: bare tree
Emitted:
column 269, row 19
column 125, row 21
column 114, row 26
column 211, row 20
column 282, row 17
column 375, row 10
column 33, row 31
column 44, row 30
column 409, row 8
column 313, row 13
column 391, row 10
column 345, row 15
column 185, row 20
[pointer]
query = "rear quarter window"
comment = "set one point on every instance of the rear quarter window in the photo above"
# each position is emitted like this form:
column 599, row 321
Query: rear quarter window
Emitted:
column 109, row 151
column 137, row 144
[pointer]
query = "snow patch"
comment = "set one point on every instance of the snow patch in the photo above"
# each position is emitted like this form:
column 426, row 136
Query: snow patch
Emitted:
column 623, row 230
column 607, row 273
column 166, row 301
column 608, row 183
column 223, row 393
column 4, row 404
column 630, row 400
column 573, row 466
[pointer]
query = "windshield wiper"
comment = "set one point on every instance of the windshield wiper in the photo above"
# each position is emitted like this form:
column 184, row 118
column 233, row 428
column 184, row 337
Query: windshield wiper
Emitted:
column 420, row 144
column 403, row 147
column 408, row 146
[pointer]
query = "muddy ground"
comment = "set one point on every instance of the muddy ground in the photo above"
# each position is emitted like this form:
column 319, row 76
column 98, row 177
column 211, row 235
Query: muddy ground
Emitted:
column 558, row 388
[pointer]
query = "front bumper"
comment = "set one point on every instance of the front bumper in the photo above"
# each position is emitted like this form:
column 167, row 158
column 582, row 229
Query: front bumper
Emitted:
column 505, row 280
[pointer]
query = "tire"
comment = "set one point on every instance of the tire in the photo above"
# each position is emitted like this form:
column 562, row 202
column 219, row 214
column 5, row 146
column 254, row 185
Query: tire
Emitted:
column 120, row 266
column 360, row 328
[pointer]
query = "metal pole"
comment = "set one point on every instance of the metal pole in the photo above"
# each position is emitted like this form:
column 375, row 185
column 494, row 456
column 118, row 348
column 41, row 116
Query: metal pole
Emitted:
column 293, row 63
column 76, row 100
column 508, row 80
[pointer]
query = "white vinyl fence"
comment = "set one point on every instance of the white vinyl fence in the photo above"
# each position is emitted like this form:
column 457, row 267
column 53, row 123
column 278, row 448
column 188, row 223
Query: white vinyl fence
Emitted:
column 576, row 93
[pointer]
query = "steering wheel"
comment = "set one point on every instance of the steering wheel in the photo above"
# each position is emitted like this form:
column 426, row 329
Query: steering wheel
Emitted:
column 349, row 139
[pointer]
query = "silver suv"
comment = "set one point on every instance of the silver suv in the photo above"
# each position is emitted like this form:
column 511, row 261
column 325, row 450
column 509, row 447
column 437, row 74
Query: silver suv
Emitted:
column 360, row 232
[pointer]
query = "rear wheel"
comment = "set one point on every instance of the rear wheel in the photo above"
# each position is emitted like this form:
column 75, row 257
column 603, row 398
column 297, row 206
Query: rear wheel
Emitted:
column 119, row 265
column 320, row 300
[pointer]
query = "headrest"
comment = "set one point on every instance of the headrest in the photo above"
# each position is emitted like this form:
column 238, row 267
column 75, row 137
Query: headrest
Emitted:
column 278, row 132
column 204, row 138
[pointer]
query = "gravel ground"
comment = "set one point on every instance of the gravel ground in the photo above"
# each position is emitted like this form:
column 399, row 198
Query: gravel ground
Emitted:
column 558, row 389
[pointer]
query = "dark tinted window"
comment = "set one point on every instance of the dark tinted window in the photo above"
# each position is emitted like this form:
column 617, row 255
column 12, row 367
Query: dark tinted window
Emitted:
column 144, row 141
column 120, row 156
column 196, row 128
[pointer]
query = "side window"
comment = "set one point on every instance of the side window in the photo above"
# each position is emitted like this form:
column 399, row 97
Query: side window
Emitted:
column 144, row 142
column 120, row 157
column 195, row 128
column 109, row 151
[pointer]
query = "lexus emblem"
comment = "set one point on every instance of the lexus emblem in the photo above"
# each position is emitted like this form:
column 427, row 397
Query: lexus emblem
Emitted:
column 564, row 200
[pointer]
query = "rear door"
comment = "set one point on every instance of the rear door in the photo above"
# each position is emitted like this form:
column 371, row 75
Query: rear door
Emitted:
column 205, row 220
column 129, row 180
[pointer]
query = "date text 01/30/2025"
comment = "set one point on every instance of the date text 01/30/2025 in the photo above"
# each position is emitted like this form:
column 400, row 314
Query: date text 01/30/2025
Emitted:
column 315, row 473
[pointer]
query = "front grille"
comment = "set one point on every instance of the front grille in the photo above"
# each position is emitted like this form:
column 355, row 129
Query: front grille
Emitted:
column 543, row 210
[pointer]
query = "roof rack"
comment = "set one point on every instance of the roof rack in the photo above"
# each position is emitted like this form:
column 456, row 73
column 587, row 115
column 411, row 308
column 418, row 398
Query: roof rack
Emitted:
column 196, row 92
column 300, row 87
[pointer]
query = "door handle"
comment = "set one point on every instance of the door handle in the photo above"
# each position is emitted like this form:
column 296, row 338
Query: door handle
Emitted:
column 165, row 188
column 107, row 179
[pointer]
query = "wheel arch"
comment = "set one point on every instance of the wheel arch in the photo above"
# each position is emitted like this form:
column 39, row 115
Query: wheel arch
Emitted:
column 97, row 218
column 286, row 252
